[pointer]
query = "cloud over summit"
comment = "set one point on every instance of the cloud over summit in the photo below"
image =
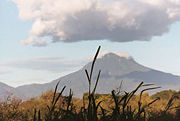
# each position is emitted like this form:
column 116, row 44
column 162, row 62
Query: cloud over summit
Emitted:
column 113, row 20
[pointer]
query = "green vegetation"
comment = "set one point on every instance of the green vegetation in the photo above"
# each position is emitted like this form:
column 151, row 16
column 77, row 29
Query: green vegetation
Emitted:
column 117, row 106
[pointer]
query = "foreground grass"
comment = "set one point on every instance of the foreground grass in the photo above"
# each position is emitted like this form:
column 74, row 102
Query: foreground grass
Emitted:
column 16, row 110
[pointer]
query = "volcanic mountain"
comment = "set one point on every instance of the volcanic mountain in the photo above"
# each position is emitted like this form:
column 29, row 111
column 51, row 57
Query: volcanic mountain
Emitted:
column 114, row 69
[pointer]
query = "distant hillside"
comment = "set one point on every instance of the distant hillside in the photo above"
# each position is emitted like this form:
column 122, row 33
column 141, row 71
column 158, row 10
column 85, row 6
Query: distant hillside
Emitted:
column 5, row 90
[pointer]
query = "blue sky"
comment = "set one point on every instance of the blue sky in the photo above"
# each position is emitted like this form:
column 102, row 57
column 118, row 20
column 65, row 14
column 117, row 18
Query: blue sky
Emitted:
column 161, row 53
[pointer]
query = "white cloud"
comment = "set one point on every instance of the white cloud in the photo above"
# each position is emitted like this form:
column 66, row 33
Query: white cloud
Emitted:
column 36, row 42
column 2, row 72
column 114, row 20
column 51, row 64
column 121, row 54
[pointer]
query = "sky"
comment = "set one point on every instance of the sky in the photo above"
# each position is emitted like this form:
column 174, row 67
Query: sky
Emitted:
column 42, row 40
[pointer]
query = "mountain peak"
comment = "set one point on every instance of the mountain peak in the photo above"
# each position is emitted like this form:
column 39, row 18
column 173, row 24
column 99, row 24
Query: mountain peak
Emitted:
column 115, row 64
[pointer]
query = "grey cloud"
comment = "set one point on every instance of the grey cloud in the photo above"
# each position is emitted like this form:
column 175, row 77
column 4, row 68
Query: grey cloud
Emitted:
column 92, row 25
column 82, row 20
